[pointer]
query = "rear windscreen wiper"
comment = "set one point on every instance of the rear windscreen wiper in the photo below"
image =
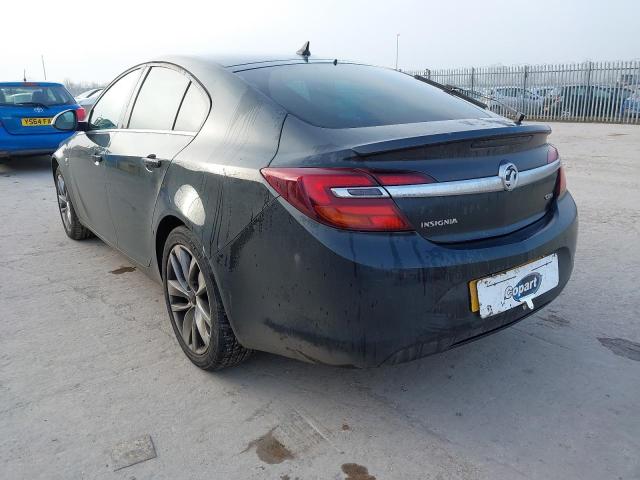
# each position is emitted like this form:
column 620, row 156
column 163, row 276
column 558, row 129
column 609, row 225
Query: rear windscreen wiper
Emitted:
column 457, row 92
column 32, row 104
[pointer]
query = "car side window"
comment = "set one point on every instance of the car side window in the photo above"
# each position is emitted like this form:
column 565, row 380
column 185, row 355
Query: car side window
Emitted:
column 106, row 113
column 158, row 100
column 193, row 110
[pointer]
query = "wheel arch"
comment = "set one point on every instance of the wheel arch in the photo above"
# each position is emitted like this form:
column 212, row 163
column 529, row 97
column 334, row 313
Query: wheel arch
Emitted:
column 168, row 223
column 54, row 166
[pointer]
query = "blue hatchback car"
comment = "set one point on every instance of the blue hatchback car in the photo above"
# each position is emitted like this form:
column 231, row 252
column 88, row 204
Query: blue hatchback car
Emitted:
column 26, row 110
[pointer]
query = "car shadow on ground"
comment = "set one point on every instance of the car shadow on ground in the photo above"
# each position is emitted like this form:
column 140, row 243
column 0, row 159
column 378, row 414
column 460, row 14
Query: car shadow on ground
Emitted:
column 458, row 389
column 16, row 166
column 503, row 360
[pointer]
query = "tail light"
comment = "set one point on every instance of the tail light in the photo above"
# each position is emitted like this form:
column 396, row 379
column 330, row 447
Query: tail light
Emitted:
column 351, row 199
column 81, row 113
column 561, row 182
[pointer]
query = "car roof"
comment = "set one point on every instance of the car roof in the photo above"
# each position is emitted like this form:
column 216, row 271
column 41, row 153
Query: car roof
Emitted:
column 242, row 62
column 30, row 84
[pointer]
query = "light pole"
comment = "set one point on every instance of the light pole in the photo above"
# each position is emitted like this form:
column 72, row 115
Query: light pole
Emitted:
column 397, row 42
column 44, row 70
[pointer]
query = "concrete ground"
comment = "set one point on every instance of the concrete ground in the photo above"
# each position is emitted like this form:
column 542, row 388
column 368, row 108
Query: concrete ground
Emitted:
column 92, row 379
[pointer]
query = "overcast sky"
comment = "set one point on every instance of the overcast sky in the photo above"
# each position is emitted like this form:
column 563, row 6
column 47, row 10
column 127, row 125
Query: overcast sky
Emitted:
column 96, row 40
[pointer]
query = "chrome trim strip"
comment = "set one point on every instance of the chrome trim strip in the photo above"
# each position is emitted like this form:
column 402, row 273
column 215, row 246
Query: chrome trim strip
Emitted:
column 472, row 186
column 140, row 130
column 144, row 130
column 528, row 177
column 359, row 192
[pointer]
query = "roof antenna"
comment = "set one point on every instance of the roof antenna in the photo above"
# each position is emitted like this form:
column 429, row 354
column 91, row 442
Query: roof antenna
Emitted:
column 304, row 50
column 24, row 75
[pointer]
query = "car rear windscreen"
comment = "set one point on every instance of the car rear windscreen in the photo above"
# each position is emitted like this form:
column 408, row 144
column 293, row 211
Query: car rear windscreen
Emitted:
column 30, row 95
column 350, row 96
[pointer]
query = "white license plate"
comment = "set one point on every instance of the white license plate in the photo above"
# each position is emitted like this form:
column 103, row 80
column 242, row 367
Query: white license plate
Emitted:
column 518, row 286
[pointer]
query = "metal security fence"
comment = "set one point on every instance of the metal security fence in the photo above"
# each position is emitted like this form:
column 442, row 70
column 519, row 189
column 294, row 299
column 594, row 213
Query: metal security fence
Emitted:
column 583, row 92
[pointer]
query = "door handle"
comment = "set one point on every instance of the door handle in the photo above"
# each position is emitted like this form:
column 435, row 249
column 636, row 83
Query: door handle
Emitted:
column 150, row 161
column 96, row 158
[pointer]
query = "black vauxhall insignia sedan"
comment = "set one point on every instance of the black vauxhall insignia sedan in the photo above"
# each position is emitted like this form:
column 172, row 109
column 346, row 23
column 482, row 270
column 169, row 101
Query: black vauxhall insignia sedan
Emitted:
column 328, row 211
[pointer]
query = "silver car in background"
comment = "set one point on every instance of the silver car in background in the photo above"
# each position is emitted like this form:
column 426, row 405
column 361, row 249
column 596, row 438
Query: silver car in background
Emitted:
column 517, row 98
column 88, row 99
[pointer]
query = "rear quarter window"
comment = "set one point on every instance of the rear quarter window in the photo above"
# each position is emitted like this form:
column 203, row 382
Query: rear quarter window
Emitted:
column 193, row 110
column 351, row 96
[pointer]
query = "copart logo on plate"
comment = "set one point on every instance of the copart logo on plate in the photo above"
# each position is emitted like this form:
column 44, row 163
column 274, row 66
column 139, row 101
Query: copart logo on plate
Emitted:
column 525, row 287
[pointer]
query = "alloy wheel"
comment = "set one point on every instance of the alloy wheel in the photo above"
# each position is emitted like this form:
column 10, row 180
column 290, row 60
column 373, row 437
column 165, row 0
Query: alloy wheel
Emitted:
column 189, row 299
column 63, row 202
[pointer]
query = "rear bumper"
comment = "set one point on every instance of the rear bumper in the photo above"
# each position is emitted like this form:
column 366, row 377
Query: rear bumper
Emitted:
column 300, row 289
column 23, row 145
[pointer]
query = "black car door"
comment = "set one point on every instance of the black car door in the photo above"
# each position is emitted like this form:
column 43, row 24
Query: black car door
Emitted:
column 140, row 154
column 88, row 152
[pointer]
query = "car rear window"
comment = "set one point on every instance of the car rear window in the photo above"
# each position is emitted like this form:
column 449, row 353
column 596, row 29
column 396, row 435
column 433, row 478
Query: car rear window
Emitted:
column 35, row 94
column 350, row 96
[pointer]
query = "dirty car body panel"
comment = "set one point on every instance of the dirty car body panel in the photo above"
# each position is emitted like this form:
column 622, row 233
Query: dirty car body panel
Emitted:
column 312, row 286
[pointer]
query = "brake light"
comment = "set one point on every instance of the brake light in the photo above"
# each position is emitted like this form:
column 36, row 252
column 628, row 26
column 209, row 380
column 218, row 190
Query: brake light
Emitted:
column 344, row 198
column 81, row 113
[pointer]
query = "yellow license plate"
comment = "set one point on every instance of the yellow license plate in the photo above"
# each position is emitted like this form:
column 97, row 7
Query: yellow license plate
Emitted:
column 36, row 122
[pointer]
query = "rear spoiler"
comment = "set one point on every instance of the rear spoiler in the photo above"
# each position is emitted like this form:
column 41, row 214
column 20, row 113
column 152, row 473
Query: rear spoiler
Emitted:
column 484, row 134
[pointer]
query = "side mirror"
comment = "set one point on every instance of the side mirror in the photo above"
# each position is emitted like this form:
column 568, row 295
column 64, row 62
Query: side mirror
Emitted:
column 66, row 121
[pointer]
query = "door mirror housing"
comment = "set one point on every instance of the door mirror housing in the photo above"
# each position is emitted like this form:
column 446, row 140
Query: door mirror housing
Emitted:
column 67, row 121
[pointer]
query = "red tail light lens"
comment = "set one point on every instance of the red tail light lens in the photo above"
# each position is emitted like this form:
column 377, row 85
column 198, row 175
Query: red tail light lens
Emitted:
column 81, row 114
column 561, row 183
column 336, row 197
column 401, row 178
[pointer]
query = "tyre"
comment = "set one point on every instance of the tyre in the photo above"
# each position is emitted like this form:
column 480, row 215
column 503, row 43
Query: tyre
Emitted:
column 72, row 226
column 194, row 305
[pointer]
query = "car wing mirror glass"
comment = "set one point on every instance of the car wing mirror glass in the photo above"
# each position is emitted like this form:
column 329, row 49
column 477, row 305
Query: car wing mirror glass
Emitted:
column 66, row 121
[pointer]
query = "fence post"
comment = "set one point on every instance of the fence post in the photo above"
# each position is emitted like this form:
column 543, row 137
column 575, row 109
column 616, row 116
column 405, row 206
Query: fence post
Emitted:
column 473, row 71
column 587, row 104
column 524, row 88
